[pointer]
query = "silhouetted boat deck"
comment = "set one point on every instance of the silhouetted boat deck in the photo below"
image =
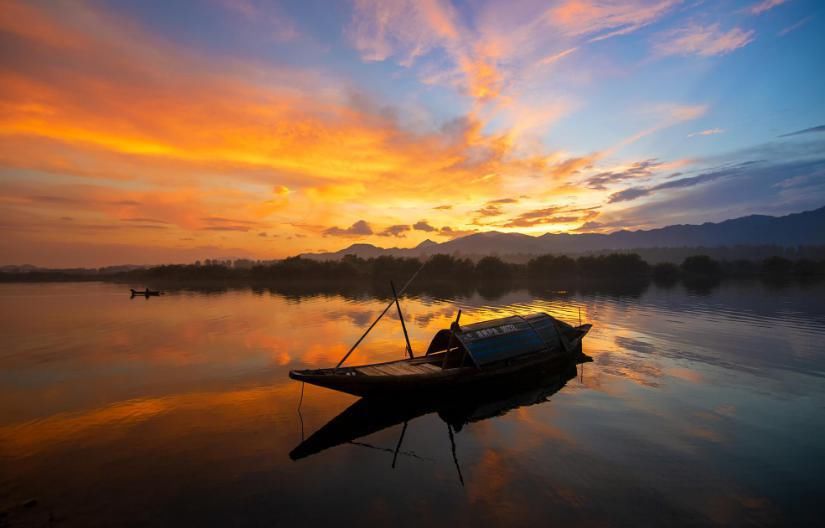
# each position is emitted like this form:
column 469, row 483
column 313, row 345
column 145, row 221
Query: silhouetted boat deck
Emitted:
column 460, row 357
column 370, row 415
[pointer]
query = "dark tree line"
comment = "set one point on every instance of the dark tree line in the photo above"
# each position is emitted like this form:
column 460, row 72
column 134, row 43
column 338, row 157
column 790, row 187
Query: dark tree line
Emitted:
column 456, row 269
column 447, row 268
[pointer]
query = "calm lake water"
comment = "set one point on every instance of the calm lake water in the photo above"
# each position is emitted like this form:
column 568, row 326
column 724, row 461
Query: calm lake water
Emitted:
column 698, row 409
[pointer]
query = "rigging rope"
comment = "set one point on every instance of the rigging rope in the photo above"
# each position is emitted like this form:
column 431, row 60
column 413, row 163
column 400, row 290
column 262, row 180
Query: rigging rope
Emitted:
column 400, row 293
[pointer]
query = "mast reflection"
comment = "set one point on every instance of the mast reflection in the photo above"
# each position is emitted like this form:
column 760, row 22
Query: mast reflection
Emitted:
column 370, row 415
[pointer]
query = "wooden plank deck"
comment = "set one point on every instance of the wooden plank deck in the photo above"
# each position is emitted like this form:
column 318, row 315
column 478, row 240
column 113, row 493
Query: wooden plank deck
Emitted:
column 398, row 369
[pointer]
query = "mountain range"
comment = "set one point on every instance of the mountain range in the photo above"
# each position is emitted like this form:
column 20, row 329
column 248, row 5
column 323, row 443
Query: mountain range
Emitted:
column 798, row 229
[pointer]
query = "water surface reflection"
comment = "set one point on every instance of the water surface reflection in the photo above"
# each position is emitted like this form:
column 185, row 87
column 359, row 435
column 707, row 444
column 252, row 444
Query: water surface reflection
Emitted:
column 700, row 407
column 371, row 415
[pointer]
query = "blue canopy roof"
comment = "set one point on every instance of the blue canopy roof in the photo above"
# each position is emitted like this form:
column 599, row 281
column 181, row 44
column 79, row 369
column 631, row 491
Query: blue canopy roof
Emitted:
column 509, row 337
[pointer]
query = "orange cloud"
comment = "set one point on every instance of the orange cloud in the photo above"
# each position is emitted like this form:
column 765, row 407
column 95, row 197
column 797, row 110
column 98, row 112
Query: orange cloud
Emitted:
column 588, row 17
column 105, row 123
column 158, row 117
column 408, row 30
column 705, row 41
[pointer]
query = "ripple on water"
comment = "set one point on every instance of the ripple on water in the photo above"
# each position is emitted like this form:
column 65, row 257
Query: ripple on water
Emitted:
column 179, row 409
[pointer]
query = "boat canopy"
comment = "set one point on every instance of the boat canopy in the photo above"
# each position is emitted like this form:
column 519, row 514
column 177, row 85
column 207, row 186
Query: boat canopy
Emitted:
column 500, row 339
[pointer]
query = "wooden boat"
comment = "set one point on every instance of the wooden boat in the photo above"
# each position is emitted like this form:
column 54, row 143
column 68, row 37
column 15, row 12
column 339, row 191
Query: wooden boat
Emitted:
column 460, row 357
column 370, row 415
column 146, row 293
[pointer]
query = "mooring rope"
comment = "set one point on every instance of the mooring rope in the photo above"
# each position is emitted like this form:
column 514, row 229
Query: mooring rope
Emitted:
column 301, row 416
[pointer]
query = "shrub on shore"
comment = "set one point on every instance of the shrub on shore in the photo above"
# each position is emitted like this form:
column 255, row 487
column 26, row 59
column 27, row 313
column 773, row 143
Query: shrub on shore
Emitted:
column 552, row 267
column 493, row 268
column 665, row 272
column 777, row 266
column 701, row 266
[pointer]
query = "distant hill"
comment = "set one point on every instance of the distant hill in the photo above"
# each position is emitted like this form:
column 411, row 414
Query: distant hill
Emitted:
column 798, row 229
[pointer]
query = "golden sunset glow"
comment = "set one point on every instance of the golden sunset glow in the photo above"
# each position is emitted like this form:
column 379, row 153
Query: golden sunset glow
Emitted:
column 123, row 142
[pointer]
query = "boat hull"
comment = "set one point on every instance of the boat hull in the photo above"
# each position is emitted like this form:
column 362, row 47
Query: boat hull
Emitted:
column 370, row 415
column 349, row 380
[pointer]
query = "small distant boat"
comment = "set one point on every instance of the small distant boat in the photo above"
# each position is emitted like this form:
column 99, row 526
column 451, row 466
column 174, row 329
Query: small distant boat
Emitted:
column 146, row 293
column 461, row 357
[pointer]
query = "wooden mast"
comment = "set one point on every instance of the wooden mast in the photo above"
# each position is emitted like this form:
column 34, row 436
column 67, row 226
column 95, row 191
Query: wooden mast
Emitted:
column 455, row 457
column 398, row 446
column 401, row 318
column 380, row 316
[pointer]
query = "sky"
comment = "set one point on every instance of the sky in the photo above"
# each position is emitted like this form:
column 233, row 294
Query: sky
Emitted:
column 152, row 132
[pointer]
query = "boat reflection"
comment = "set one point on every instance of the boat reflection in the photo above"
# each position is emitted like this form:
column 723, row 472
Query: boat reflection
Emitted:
column 371, row 415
